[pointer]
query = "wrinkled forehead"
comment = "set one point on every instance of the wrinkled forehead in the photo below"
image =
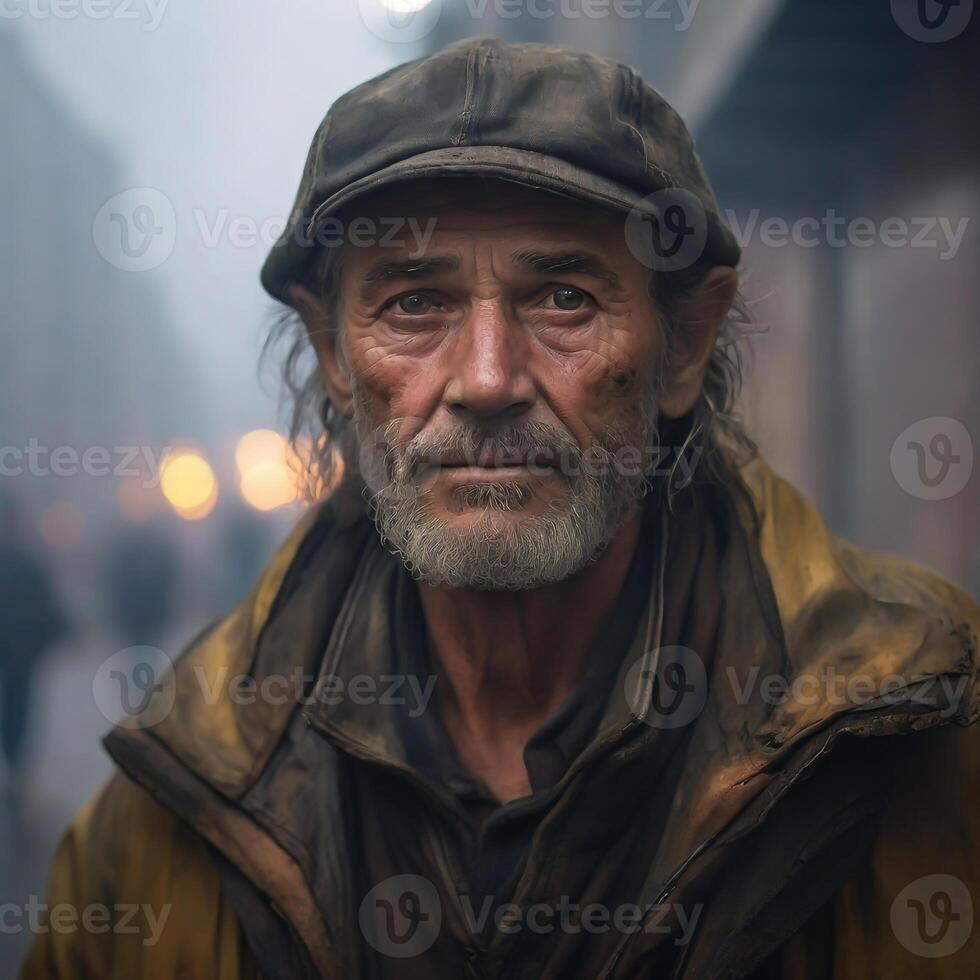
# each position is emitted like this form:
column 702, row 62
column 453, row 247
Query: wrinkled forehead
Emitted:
column 462, row 218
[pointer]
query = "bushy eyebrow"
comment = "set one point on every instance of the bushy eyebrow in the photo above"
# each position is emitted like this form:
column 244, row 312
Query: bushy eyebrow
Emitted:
column 584, row 263
column 410, row 268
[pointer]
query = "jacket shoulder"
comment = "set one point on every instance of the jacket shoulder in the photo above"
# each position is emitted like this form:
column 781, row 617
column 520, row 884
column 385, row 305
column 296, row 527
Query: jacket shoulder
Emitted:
column 805, row 559
column 146, row 896
column 860, row 615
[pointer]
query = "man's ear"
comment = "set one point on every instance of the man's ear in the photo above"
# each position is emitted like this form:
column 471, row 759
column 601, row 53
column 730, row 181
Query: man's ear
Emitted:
column 699, row 318
column 325, row 339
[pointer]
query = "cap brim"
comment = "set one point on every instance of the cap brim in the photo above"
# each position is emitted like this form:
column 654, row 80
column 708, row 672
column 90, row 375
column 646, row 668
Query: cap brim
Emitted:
column 523, row 167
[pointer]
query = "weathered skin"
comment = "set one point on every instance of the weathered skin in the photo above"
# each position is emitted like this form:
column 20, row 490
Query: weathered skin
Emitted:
column 483, row 341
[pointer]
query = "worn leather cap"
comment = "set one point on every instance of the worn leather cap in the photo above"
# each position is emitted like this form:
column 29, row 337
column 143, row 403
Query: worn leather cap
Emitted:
column 539, row 115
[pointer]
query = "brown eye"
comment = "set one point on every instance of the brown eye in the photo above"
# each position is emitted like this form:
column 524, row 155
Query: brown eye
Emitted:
column 414, row 303
column 567, row 298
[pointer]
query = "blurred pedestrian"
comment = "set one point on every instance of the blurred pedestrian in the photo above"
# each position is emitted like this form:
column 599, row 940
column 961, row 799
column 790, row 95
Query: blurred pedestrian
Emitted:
column 31, row 620
column 141, row 576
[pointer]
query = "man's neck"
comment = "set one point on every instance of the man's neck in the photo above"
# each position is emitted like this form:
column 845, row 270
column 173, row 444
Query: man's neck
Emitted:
column 509, row 659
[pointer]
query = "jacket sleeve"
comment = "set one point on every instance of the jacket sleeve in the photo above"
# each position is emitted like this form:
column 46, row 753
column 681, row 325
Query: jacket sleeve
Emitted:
column 133, row 892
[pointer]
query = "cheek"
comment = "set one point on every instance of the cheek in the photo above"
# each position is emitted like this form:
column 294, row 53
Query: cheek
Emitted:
column 389, row 383
column 600, row 389
column 632, row 401
column 627, row 386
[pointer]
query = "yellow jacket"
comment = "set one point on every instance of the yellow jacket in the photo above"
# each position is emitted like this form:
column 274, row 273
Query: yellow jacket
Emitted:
column 907, row 910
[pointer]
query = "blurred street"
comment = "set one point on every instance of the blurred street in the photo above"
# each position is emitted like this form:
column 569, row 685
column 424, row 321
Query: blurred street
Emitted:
column 65, row 760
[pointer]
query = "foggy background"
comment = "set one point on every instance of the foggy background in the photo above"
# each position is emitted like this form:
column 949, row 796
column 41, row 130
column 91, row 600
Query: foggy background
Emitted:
column 149, row 151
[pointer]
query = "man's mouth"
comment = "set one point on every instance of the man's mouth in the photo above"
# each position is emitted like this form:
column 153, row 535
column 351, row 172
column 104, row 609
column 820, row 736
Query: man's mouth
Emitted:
column 495, row 467
column 500, row 461
column 491, row 474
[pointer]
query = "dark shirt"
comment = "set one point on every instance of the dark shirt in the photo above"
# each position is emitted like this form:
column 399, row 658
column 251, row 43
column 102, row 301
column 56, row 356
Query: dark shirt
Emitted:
column 503, row 832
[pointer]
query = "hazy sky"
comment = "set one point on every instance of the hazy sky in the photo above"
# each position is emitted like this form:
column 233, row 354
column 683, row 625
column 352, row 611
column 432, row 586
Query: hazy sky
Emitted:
column 214, row 104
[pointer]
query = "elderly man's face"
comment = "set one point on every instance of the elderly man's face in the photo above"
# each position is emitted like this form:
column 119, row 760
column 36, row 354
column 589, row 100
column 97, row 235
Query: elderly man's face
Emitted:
column 503, row 380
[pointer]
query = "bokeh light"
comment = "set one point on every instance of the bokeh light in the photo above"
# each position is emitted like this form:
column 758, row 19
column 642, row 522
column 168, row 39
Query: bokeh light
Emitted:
column 189, row 484
column 259, row 446
column 268, row 471
column 267, row 486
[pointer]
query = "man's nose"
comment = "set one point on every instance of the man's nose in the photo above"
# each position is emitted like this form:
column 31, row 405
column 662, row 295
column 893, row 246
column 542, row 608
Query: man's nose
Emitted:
column 490, row 367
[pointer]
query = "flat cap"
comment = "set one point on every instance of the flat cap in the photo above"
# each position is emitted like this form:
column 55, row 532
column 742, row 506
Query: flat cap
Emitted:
column 538, row 115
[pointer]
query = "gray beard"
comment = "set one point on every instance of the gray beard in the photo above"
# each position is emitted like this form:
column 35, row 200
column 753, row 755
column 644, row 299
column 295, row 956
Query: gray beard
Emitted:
column 494, row 553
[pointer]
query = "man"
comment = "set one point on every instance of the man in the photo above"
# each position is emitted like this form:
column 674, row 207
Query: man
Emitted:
column 595, row 694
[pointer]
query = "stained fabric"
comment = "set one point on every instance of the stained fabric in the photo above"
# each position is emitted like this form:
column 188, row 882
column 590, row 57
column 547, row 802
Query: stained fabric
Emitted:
column 739, row 834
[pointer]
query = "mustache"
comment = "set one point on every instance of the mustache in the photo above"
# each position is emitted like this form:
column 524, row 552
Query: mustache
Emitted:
column 530, row 443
